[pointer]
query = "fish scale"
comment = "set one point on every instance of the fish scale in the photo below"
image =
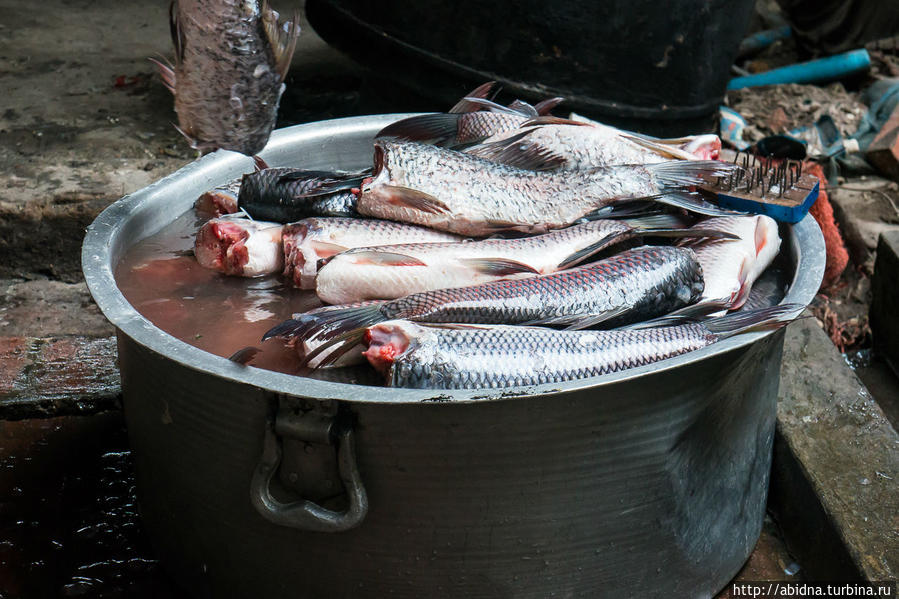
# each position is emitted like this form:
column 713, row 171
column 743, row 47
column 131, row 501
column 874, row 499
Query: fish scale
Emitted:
column 646, row 281
column 429, row 356
column 507, row 356
column 458, row 192
column 635, row 285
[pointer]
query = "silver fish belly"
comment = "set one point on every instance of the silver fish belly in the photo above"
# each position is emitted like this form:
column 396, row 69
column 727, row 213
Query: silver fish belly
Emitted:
column 313, row 239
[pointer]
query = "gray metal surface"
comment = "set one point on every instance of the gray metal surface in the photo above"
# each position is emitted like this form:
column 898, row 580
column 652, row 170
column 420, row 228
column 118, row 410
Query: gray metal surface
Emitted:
column 649, row 482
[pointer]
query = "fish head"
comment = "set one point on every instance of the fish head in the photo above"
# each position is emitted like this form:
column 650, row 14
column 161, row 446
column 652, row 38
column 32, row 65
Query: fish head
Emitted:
column 703, row 147
column 221, row 245
column 388, row 341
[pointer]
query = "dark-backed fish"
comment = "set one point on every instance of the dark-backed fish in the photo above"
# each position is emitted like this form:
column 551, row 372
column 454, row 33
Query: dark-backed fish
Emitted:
column 286, row 195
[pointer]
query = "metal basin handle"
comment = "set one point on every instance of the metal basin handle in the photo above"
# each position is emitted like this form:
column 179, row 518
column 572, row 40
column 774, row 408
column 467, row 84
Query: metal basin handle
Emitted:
column 304, row 514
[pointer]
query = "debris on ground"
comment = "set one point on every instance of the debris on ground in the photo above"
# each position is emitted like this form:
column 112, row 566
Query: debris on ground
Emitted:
column 781, row 108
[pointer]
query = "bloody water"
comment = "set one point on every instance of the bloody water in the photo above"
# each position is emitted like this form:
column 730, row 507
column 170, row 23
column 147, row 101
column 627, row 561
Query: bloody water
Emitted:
column 220, row 314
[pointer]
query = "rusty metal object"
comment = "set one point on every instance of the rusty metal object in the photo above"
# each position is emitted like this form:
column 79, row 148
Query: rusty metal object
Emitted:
column 650, row 481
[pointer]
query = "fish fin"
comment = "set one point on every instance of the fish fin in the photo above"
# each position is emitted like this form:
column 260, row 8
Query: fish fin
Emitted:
column 327, row 324
column 281, row 37
column 543, row 107
column 166, row 73
column 190, row 139
column 760, row 237
column 498, row 266
column 689, row 233
column 465, row 105
column 327, row 249
column 259, row 163
column 438, row 128
column 523, row 108
column 344, row 344
column 245, row 355
column 324, row 182
column 596, row 247
column 692, row 202
column 686, row 173
column 623, row 209
column 659, row 148
column 381, row 258
column 762, row 319
column 686, row 315
column 340, row 329
column 492, row 106
column 493, row 227
column 531, row 156
column 287, row 329
column 745, row 285
column 657, row 221
column 549, row 119
column 176, row 31
column 579, row 321
column 416, row 200
column 591, row 320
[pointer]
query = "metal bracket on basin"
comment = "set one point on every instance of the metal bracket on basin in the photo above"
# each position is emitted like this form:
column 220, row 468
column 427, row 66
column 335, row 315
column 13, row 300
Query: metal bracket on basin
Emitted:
column 303, row 514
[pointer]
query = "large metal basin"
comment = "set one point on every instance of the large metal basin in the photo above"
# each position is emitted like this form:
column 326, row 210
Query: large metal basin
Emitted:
column 650, row 482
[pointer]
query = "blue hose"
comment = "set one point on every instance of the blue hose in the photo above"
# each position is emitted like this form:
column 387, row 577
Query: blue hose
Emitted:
column 832, row 67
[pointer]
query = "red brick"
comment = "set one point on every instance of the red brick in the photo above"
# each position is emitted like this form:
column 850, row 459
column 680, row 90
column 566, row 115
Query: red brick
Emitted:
column 13, row 359
column 883, row 152
column 75, row 366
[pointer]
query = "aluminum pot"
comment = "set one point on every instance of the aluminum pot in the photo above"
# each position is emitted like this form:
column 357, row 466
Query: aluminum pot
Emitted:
column 649, row 482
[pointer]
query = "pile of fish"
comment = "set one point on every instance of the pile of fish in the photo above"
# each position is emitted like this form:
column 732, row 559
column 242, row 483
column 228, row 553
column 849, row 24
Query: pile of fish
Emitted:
column 495, row 246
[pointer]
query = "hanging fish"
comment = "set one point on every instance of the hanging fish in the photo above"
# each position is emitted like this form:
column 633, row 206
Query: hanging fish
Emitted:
column 231, row 58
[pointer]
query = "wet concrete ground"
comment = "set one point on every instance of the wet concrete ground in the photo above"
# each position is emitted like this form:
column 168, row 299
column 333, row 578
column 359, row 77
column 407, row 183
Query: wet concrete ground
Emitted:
column 84, row 120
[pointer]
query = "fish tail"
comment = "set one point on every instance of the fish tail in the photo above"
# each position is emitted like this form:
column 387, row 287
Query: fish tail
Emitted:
column 328, row 323
column 438, row 129
column 762, row 319
column 333, row 330
column 686, row 173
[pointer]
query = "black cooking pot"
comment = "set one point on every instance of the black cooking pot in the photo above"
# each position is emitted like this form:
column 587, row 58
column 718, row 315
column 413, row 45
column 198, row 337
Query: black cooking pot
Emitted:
column 654, row 67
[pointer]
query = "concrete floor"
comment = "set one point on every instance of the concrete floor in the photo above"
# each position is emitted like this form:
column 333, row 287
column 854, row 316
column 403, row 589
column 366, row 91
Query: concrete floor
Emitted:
column 83, row 121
